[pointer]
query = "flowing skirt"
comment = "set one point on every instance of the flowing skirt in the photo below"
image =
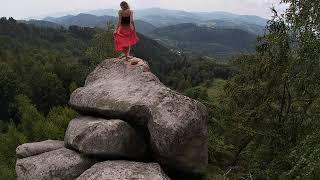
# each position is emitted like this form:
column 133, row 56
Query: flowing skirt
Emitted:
column 125, row 37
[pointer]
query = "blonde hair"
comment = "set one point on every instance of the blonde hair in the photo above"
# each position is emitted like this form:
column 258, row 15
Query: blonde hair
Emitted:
column 124, row 5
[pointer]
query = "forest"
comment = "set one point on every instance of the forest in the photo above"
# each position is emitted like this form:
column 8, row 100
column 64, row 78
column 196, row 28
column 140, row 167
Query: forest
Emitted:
column 264, row 107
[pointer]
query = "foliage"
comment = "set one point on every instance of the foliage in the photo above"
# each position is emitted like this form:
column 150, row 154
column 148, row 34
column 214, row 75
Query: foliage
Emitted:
column 263, row 114
column 102, row 47
column 8, row 143
column 270, row 109
column 33, row 126
column 200, row 39
column 41, row 63
column 46, row 65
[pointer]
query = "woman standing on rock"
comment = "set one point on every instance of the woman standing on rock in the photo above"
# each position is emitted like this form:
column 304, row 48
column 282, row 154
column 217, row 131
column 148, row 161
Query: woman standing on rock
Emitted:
column 125, row 35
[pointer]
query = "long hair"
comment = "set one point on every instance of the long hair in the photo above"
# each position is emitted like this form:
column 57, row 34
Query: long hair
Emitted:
column 124, row 5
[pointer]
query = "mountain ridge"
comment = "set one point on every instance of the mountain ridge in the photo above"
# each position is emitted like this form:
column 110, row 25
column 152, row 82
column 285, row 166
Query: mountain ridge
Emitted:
column 206, row 40
column 199, row 16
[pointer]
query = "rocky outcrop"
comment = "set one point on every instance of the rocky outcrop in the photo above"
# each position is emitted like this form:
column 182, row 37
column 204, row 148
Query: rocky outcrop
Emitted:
column 118, row 170
column 129, row 118
column 175, row 125
column 58, row 164
column 31, row 149
column 112, row 139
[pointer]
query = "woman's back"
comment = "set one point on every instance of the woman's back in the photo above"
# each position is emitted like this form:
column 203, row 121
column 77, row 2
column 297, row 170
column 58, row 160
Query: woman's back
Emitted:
column 125, row 20
column 125, row 16
column 125, row 35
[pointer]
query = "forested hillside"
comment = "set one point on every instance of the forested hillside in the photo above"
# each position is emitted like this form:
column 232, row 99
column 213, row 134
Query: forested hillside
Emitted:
column 39, row 69
column 216, row 42
column 41, row 66
column 217, row 35
column 264, row 108
column 266, row 117
column 160, row 17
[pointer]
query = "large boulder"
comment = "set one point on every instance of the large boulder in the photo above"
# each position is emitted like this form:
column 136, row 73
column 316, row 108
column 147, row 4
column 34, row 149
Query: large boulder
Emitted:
column 31, row 149
column 119, row 170
column 113, row 139
column 58, row 164
column 175, row 125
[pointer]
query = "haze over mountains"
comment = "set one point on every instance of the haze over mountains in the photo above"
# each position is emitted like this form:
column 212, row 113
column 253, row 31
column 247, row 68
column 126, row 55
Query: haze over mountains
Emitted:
column 215, row 34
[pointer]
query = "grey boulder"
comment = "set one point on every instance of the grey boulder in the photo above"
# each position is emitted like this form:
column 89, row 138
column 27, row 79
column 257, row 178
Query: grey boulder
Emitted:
column 175, row 125
column 120, row 170
column 60, row 164
column 31, row 149
column 113, row 139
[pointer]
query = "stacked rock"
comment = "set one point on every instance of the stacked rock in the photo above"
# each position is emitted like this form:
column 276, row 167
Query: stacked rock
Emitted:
column 131, row 127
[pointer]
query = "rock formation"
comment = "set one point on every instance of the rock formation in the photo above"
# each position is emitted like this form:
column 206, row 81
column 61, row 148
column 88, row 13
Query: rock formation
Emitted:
column 113, row 139
column 32, row 149
column 129, row 119
column 58, row 164
column 124, row 170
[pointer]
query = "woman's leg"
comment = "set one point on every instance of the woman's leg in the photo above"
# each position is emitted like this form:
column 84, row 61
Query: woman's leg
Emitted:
column 128, row 54
column 122, row 55
column 125, row 52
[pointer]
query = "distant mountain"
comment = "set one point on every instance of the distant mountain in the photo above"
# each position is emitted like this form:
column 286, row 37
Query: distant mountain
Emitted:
column 216, row 34
column 88, row 20
column 41, row 23
column 144, row 27
column 216, row 42
column 160, row 58
column 104, row 12
column 158, row 17
column 164, row 17
column 225, row 24
column 225, row 16
column 85, row 20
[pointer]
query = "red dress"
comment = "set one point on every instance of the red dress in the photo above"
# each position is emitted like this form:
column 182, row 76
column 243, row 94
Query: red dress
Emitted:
column 125, row 36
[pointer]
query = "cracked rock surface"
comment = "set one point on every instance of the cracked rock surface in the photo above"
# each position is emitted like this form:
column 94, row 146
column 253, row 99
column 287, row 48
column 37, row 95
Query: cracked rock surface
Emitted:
column 119, row 170
column 175, row 125
column 60, row 164
column 113, row 139
column 31, row 149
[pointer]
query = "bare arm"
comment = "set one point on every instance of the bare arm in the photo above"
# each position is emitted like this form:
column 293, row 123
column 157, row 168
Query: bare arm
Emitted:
column 119, row 21
column 131, row 19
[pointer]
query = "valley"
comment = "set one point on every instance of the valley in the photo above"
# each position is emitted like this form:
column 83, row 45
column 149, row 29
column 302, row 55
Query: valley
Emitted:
column 219, row 35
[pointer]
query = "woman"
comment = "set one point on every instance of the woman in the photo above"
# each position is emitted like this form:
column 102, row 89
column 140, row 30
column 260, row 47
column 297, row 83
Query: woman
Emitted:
column 125, row 35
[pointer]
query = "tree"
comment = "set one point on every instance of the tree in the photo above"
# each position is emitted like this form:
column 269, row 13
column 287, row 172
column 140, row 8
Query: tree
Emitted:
column 8, row 143
column 102, row 47
column 271, row 107
column 9, row 86
column 28, row 115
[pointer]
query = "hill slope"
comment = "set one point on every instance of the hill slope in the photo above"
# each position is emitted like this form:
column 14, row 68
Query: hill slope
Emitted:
column 226, row 24
column 84, row 20
column 164, row 17
column 206, row 40
column 88, row 20
column 42, row 23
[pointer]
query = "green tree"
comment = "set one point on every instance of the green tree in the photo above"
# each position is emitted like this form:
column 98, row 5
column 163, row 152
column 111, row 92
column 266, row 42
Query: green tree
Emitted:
column 9, row 86
column 197, row 93
column 271, row 107
column 102, row 47
column 29, row 116
column 8, row 143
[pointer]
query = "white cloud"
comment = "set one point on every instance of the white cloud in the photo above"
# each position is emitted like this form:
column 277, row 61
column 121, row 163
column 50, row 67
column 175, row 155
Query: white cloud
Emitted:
column 27, row 8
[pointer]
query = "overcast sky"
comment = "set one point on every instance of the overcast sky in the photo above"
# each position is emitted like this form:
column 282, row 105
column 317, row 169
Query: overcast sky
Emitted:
column 21, row 9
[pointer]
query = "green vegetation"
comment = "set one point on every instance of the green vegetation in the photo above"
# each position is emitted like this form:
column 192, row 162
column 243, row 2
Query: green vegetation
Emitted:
column 33, row 126
column 264, row 123
column 41, row 66
column 218, row 35
column 204, row 40
column 264, row 108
